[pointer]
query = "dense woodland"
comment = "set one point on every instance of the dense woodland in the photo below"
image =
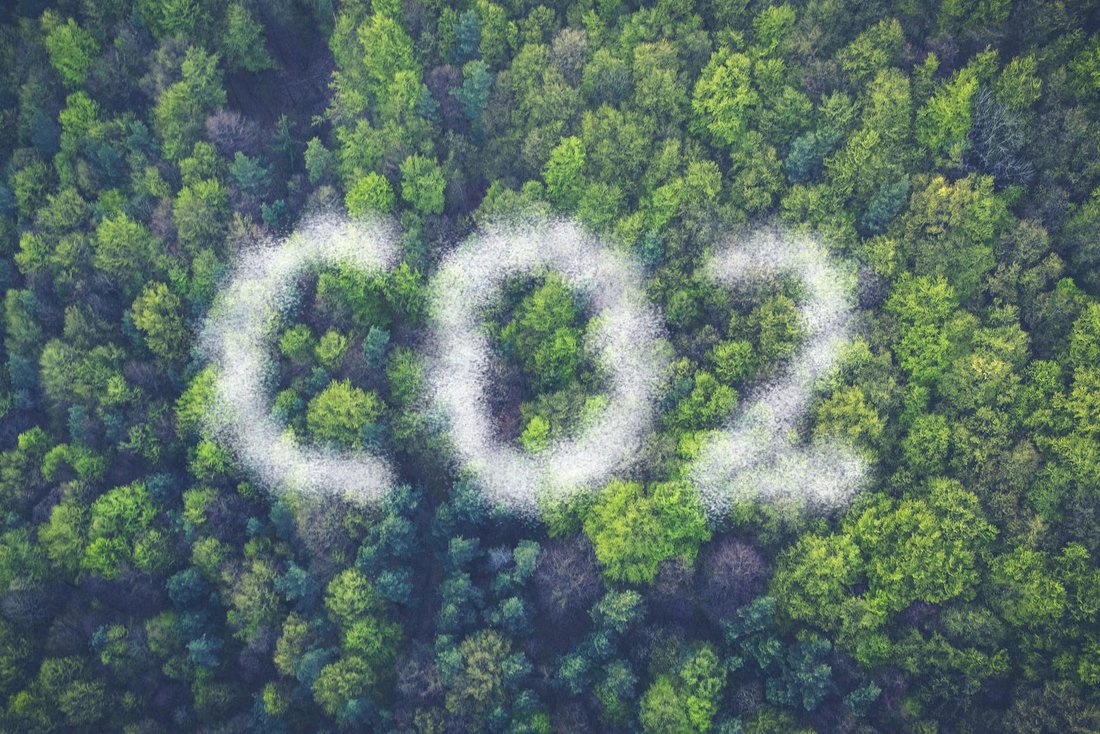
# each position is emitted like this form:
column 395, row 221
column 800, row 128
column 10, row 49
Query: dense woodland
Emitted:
column 950, row 150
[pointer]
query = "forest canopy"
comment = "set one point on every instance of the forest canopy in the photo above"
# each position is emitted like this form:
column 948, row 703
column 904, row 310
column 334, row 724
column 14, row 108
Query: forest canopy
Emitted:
column 945, row 154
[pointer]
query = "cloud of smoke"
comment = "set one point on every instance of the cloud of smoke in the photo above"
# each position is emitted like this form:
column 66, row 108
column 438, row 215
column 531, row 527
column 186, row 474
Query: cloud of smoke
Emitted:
column 238, row 336
column 625, row 333
column 757, row 456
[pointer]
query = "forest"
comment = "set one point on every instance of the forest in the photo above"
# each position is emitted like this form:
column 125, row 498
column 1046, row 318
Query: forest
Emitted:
column 550, row 366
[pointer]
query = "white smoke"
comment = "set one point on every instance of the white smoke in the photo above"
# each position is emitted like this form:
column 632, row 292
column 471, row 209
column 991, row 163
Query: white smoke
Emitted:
column 625, row 335
column 757, row 456
column 238, row 338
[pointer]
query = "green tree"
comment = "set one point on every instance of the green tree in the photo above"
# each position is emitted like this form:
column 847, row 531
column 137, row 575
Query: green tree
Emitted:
column 63, row 536
column 72, row 49
column 777, row 326
column 848, row 413
column 926, row 445
column 339, row 413
column 544, row 336
column 473, row 95
column 634, row 531
column 202, row 212
column 349, row 596
column 662, row 710
column 1028, row 592
column 371, row 194
column 479, row 685
column 702, row 678
column 182, row 108
column 243, row 41
column 943, row 123
column 297, row 344
column 319, row 161
column 127, row 253
column 564, row 173
column 708, row 404
column 331, row 349
column 922, row 307
column 157, row 315
column 922, row 548
column 422, row 184
column 876, row 48
column 123, row 530
column 724, row 98
column 951, row 229
column 340, row 683
column 251, row 176
column 925, row 548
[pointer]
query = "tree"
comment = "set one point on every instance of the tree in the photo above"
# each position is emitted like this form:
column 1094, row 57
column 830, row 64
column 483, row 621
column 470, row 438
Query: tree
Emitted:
column 633, row 532
column 422, row 184
column 708, row 404
column 616, row 691
column 388, row 50
column 732, row 572
column 702, row 678
column 877, row 48
column 1082, row 248
column 252, row 177
column 1055, row 706
column 371, row 194
column 919, row 549
column 544, row 336
column 848, row 414
column 564, row 173
column 127, row 253
column 724, row 98
column 123, row 530
column 319, row 161
column 687, row 702
column 814, row 576
column 884, row 206
column 925, row 548
column 297, row 344
column 566, row 580
column 473, row 94
column 157, row 314
column 331, row 349
column 349, row 296
column 63, row 694
column 922, row 306
column 72, row 49
column 926, row 445
column 201, row 213
column 479, row 683
column 181, row 110
column 943, row 123
column 662, row 710
column 777, row 326
column 340, row 412
column 243, row 42
column 732, row 360
column 958, row 16
column 1027, row 591
column 339, row 684
column 1084, row 339
column 63, row 537
column 350, row 595
column 951, row 229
